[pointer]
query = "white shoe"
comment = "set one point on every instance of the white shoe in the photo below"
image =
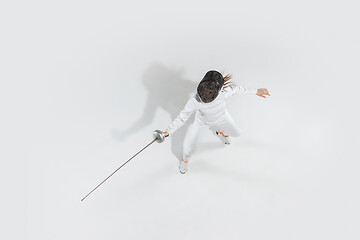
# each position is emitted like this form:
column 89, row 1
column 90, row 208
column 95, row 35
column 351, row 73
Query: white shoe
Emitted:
column 224, row 138
column 183, row 166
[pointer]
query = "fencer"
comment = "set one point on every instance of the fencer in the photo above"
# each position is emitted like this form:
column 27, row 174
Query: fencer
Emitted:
column 209, row 105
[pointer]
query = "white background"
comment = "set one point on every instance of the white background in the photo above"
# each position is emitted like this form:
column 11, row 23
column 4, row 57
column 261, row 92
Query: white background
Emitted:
column 85, row 83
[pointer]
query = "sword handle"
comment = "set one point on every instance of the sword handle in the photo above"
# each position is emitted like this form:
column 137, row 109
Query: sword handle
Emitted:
column 159, row 136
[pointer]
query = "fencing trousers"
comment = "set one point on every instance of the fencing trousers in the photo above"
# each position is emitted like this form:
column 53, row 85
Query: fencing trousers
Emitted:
column 227, row 125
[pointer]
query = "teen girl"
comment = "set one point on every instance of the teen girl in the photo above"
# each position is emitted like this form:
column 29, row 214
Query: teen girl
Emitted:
column 209, row 103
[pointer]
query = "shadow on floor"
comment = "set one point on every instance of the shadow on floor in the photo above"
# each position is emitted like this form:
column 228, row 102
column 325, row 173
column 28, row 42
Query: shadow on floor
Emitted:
column 166, row 89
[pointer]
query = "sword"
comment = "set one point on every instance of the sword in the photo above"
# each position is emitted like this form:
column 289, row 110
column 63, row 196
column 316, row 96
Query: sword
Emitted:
column 158, row 137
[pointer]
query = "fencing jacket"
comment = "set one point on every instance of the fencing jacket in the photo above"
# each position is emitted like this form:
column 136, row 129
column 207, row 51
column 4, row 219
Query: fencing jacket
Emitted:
column 208, row 113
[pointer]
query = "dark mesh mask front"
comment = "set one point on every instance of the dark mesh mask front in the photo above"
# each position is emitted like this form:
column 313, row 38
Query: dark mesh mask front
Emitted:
column 210, row 86
column 207, row 91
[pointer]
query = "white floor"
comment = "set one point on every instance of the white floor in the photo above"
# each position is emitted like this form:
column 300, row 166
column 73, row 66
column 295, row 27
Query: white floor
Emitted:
column 87, row 83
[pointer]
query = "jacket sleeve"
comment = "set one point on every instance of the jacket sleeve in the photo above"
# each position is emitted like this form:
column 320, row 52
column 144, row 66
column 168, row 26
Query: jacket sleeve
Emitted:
column 236, row 89
column 184, row 115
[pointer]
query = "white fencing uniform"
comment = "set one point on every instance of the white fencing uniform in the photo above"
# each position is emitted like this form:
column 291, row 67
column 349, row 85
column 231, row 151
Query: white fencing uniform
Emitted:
column 212, row 115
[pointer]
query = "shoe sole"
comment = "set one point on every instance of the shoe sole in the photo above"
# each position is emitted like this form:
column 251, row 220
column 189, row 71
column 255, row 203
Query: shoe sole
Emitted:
column 181, row 171
column 217, row 134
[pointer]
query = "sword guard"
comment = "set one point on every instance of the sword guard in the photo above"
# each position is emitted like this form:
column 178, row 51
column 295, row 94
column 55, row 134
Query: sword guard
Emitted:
column 159, row 136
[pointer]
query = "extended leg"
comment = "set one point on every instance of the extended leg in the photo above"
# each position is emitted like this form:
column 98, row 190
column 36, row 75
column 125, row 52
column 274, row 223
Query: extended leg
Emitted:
column 190, row 143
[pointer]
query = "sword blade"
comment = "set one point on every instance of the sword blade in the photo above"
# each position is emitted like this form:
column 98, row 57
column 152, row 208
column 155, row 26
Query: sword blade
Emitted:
column 119, row 168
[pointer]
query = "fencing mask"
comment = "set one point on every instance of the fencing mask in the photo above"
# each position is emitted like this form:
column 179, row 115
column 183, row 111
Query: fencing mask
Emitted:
column 210, row 86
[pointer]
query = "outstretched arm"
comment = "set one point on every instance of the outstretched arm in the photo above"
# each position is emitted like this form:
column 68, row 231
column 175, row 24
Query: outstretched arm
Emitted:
column 236, row 89
column 183, row 116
